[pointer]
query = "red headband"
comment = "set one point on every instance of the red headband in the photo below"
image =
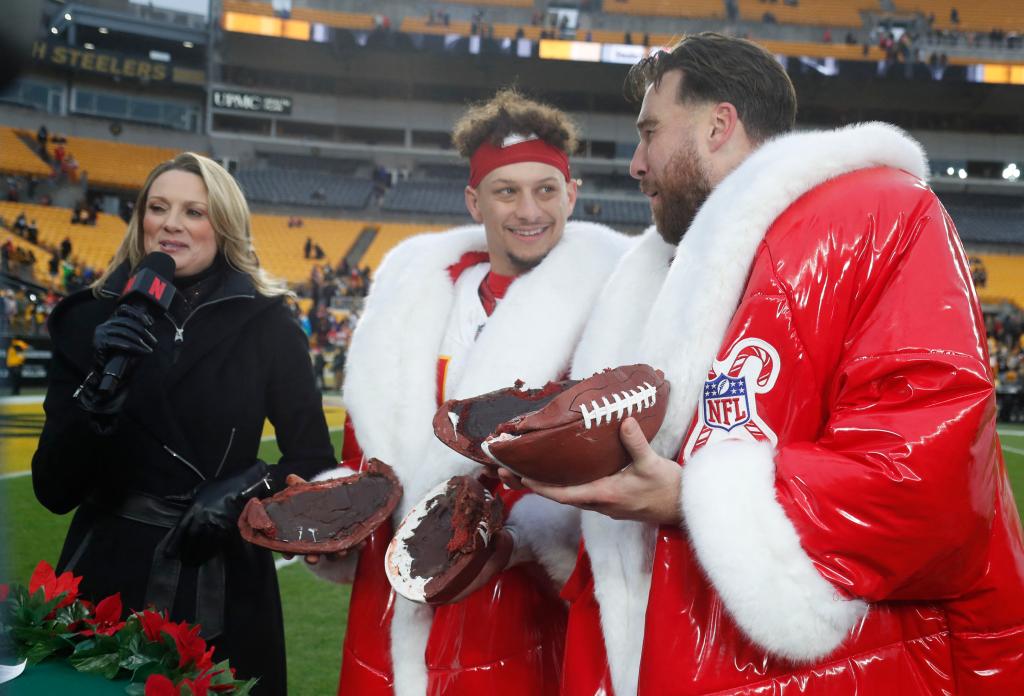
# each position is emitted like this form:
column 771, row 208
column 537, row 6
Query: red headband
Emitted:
column 489, row 157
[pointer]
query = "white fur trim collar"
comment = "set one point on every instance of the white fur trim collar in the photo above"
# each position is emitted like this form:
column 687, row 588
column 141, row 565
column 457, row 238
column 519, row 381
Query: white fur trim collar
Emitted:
column 391, row 374
column 687, row 321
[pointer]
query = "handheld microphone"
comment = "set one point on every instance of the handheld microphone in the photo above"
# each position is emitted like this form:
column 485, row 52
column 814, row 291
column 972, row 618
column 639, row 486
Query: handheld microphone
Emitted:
column 150, row 289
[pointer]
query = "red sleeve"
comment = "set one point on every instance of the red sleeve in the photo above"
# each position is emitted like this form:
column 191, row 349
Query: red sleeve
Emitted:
column 351, row 452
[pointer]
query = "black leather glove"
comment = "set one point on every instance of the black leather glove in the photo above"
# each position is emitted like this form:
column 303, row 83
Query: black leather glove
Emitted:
column 125, row 332
column 213, row 516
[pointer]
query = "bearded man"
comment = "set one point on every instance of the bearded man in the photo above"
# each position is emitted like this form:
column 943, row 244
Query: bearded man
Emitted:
column 825, row 508
column 456, row 314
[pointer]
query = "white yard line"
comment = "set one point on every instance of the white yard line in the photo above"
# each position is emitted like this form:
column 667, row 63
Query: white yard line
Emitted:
column 1007, row 448
column 284, row 562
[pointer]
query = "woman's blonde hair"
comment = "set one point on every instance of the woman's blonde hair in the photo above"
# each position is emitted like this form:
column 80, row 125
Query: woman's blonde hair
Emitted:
column 229, row 216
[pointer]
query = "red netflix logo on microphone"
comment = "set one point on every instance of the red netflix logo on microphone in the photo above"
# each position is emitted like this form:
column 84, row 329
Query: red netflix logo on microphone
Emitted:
column 150, row 285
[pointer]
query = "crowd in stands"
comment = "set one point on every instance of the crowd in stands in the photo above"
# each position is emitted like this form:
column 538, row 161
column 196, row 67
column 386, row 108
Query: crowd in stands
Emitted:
column 1005, row 328
column 327, row 282
column 19, row 261
column 58, row 157
column 996, row 38
column 24, row 312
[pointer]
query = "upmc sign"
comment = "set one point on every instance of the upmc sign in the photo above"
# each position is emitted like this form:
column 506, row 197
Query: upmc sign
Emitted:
column 246, row 101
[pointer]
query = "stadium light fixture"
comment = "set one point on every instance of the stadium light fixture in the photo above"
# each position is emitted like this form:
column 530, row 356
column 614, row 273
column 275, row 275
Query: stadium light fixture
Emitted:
column 950, row 171
column 187, row 44
column 53, row 30
column 89, row 46
column 962, row 173
column 104, row 30
column 67, row 16
column 1012, row 172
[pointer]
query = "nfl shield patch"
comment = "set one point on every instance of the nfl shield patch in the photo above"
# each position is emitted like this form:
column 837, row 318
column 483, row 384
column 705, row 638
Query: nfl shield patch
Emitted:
column 725, row 402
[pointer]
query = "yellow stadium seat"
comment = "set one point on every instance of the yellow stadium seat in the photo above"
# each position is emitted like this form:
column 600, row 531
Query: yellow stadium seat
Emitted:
column 17, row 158
column 832, row 13
column 975, row 16
column 92, row 245
column 1003, row 282
column 705, row 9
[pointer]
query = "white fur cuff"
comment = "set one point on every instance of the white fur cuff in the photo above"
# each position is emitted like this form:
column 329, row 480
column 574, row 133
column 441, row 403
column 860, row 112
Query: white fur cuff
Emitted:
column 752, row 554
column 550, row 530
column 338, row 472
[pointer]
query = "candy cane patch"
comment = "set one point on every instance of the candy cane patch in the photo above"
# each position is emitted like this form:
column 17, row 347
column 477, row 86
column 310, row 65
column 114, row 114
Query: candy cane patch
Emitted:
column 728, row 406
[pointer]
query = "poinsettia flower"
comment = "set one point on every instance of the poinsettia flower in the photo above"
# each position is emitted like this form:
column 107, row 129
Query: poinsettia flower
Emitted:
column 53, row 585
column 200, row 686
column 159, row 685
column 106, row 620
column 153, row 623
column 191, row 648
column 4, row 591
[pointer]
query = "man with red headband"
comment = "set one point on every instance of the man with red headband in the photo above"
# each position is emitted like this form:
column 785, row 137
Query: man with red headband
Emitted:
column 451, row 315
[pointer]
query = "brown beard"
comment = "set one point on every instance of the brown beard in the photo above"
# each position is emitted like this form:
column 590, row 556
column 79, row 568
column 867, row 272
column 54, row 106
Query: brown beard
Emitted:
column 682, row 193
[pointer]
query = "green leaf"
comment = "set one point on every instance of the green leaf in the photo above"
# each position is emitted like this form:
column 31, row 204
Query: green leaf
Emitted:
column 243, row 688
column 134, row 661
column 38, row 652
column 106, row 664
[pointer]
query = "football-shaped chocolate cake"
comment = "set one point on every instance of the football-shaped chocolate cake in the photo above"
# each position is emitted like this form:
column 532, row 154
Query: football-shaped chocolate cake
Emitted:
column 565, row 433
column 444, row 541
column 323, row 517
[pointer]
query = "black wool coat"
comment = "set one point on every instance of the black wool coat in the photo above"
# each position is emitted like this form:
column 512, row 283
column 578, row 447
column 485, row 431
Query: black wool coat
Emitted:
column 195, row 410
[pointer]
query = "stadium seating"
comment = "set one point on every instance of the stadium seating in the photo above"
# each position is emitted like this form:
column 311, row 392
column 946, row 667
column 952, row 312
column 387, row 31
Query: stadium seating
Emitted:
column 17, row 158
column 613, row 211
column 296, row 187
column 977, row 15
column 703, row 9
column 40, row 268
column 118, row 165
column 421, row 25
column 1004, row 273
column 92, row 245
column 331, row 165
column 280, row 247
column 432, row 197
column 443, row 171
column 832, row 13
column 257, row 8
column 500, row 3
column 340, row 20
column 391, row 234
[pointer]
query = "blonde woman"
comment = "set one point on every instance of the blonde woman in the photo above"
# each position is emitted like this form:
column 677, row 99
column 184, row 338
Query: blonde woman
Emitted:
column 158, row 470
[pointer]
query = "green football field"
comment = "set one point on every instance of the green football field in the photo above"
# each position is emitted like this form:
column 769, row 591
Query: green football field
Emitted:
column 315, row 611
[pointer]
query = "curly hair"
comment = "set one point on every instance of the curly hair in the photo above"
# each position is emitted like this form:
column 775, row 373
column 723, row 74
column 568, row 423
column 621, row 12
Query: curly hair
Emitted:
column 510, row 112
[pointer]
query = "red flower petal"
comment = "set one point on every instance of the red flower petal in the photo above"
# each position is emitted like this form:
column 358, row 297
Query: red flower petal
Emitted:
column 108, row 611
column 159, row 685
column 4, row 591
column 42, row 575
column 67, row 584
column 152, row 624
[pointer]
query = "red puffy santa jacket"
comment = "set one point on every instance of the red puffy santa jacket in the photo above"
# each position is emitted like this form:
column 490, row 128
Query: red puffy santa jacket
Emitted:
column 848, row 523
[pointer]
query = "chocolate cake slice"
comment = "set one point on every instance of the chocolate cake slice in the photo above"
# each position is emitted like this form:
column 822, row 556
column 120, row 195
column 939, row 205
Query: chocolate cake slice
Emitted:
column 323, row 517
column 444, row 541
column 463, row 424
column 565, row 433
